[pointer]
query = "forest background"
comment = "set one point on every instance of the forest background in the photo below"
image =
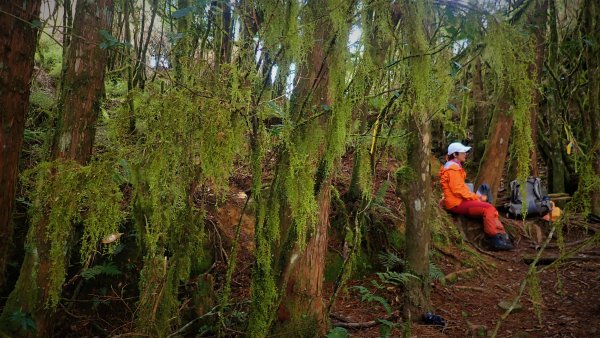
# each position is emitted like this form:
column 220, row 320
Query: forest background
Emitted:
column 126, row 125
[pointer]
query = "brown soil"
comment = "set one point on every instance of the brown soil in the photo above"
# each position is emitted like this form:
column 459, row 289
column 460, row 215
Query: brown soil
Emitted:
column 470, row 306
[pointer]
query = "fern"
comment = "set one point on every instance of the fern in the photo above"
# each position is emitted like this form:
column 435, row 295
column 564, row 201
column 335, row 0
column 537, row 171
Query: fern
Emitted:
column 368, row 296
column 395, row 278
column 337, row 332
column 380, row 195
column 390, row 260
column 23, row 320
column 108, row 269
column 435, row 273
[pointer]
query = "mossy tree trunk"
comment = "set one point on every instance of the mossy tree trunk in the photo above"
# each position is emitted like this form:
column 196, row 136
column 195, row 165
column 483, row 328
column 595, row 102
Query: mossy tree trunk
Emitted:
column 17, row 47
column 83, row 85
column 83, row 82
column 537, row 19
column 480, row 112
column 592, row 28
column 552, row 142
column 491, row 168
column 224, row 31
column 414, row 179
column 303, row 269
column 182, row 47
column 377, row 43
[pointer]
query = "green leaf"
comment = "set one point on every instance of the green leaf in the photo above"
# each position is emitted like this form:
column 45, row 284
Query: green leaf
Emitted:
column 180, row 13
column 337, row 332
column 435, row 273
column 108, row 269
column 395, row 278
column 24, row 320
column 174, row 37
column 390, row 260
column 370, row 297
column 36, row 24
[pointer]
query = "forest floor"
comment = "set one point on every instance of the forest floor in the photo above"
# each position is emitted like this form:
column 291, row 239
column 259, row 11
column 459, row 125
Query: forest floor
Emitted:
column 472, row 304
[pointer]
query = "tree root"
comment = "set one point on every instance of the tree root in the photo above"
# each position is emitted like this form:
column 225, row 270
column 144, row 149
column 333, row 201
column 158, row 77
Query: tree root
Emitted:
column 342, row 321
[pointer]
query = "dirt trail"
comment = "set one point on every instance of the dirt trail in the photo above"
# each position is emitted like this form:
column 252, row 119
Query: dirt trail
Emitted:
column 570, row 297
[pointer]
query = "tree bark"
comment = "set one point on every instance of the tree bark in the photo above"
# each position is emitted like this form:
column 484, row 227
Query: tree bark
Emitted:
column 181, row 48
column 83, row 85
column 491, row 168
column 225, row 30
column 304, row 270
column 557, row 165
column 537, row 19
column 415, row 185
column 17, row 49
column 592, row 26
column 480, row 127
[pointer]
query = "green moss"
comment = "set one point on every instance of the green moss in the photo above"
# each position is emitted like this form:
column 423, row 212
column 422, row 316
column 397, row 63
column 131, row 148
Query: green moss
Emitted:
column 115, row 88
column 42, row 100
column 513, row 83
column 396, row 240
column 49, row 56
column 405, row 174
column 333, row 266
column 362, row 264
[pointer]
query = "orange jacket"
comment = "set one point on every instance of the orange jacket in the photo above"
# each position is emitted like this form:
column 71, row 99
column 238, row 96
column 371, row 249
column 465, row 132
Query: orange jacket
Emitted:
column 452, row 179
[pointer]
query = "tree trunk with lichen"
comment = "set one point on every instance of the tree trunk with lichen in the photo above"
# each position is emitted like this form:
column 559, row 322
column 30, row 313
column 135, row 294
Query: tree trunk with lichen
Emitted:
column 480, row 112
column 17, row 47
column 302, row 305
column 83, row 85
column 537, row 18
column 491, row 168
column 592, row 27
column 414, row 180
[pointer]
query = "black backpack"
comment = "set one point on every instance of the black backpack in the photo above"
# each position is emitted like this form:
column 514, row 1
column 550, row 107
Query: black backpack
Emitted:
column 537, row 204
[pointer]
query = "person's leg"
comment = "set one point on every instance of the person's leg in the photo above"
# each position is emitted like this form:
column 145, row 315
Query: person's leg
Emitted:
column 491, row 220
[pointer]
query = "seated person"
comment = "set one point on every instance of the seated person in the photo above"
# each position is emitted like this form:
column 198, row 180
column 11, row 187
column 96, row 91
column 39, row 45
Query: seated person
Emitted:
column 458, row 199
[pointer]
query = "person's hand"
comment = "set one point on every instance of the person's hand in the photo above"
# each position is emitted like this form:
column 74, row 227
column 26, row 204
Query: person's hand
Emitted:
column 482, row 198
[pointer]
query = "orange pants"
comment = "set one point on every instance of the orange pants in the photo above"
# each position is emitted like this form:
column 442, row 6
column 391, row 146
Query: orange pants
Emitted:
column 491, row 221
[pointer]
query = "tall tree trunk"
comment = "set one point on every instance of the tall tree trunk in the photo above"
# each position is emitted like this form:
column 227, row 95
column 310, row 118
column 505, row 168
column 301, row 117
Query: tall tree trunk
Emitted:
column 224, row 34
column 140, row 68
column 181, row 48
column 491, row 168
column 557, row 165
column 17, row 49
column 592, row 28
column 415, row 184
column 480, row 113
column 538, row 19
column 303, row 298
column 83, row 84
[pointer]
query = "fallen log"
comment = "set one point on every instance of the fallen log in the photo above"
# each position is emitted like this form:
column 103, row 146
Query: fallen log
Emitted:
column 453, row 276
column 344, row 321
column 467, row 287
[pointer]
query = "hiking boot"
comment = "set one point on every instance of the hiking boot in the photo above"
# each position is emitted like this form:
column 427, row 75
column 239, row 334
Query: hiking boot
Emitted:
column 433, row 319
column 500, row 242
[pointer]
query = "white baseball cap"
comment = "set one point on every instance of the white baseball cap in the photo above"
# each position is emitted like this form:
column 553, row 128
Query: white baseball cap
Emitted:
column 457, row 147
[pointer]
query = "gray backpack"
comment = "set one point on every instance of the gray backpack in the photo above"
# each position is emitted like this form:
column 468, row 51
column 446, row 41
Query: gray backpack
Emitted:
column 537, row 203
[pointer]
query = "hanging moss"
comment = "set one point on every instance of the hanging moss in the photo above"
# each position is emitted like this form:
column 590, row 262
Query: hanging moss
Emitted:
column 509, row 52
column 63, row 194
